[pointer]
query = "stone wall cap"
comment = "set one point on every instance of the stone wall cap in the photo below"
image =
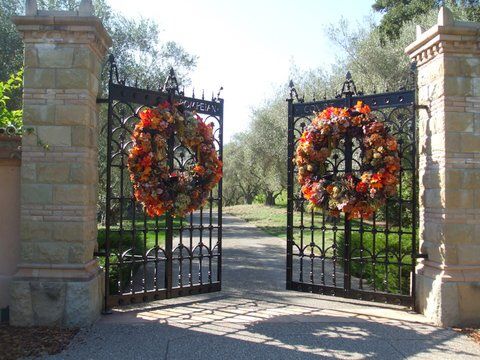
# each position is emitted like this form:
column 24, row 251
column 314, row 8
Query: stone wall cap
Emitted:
column 439, row 33
column 446, row 27
column 63, row 19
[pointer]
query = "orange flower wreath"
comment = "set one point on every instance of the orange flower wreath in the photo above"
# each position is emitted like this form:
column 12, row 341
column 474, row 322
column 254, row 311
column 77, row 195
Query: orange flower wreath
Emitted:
column 356, row 195
column 158, row 187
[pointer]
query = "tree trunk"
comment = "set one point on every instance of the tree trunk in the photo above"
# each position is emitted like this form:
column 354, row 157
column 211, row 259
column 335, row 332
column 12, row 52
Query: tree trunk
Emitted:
column 269, row 198
column 297, row 205
column 248, row 199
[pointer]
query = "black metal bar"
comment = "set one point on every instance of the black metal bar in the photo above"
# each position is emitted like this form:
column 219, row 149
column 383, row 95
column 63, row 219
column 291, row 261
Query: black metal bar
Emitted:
column 377, row 101
column 366, row 295
column 180, row 257
column 347, row 223
column 169, row 215
column 290, row 176
column 106, row 309
column 414, row 182
column 129, row 298
column 200, row 256
column 220, row 197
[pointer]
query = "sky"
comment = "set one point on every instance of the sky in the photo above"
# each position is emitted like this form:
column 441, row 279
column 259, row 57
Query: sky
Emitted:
column 247, row 46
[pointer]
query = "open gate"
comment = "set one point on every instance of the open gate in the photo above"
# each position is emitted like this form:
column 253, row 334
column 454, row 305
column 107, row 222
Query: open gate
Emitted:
column 152, row 259
column 368, row 260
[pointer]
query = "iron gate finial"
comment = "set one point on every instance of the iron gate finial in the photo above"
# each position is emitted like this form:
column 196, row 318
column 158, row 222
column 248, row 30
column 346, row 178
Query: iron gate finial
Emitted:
column 219, row 93
column 294, row 93
column 171, row 83
column 348, row 88
column 113, row 71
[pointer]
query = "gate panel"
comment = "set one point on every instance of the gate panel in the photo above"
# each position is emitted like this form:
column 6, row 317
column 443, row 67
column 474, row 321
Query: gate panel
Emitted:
column 365, row 259
column 163, row 257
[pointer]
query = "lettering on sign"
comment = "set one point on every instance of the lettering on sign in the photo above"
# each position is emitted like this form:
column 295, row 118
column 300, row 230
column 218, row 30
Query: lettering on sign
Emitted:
column 310, row 108
column 202, row 106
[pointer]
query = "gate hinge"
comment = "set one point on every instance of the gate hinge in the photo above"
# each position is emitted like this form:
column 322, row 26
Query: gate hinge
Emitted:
column 421, row 256
column 421, row 107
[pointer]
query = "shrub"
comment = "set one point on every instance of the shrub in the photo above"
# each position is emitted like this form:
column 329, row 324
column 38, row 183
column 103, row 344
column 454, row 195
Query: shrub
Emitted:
column 10, row 117
column 123, row 243
column 384, row 272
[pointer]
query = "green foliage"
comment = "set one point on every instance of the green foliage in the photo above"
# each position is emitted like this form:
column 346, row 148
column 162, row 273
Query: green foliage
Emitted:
column 9, row 116
column 255, row 161
column 384, row 273
column 374, row 67
column 267, row 144
column 120, row 242
column 240, row 183
column 397, row 13
column 11, row 56
column 137, row 47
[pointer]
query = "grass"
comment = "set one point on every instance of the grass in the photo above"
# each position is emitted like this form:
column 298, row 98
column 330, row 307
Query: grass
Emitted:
column 271, row 219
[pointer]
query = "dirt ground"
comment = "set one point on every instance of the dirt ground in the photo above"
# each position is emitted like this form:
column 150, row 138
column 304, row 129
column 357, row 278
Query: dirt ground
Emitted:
column 20, row 342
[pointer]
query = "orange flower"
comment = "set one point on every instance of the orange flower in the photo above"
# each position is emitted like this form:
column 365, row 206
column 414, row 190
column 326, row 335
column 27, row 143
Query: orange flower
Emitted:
column 146, row 161
column 364, row 109
column 366, row 177
column 303, row 138
column 392, row 144
column 307, row 192
column 199, row 169
column 357, row 120
column 146, row 114
column 389, row 179
column 392, row 168
column 376, row 181
column 164, row 105
column 136, row 151
column 361, row 187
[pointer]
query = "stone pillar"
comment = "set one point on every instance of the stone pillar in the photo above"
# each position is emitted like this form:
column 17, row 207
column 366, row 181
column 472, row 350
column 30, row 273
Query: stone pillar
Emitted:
column 59, row 282
column 448, row 60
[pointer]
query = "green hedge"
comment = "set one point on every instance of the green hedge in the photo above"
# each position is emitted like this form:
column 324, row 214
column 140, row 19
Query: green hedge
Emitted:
column 385, row 274
column 120, row 243
column 123, row 242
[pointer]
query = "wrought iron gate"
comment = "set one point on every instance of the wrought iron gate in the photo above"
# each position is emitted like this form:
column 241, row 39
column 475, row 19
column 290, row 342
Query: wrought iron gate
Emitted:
column 151, row 259
column 368, row 260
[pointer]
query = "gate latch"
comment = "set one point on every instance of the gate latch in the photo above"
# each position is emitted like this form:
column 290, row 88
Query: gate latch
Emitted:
column 421, row 256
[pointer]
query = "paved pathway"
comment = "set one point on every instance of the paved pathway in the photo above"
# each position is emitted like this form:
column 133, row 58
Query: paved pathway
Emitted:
column 254, row 318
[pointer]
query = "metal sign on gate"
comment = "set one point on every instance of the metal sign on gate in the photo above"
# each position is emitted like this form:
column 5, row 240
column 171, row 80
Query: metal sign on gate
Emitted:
column 365, row 259
column 151, row 259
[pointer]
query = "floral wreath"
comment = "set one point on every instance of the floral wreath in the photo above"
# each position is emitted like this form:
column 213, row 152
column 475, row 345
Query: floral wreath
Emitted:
column 158, row 187
column 356, row 195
